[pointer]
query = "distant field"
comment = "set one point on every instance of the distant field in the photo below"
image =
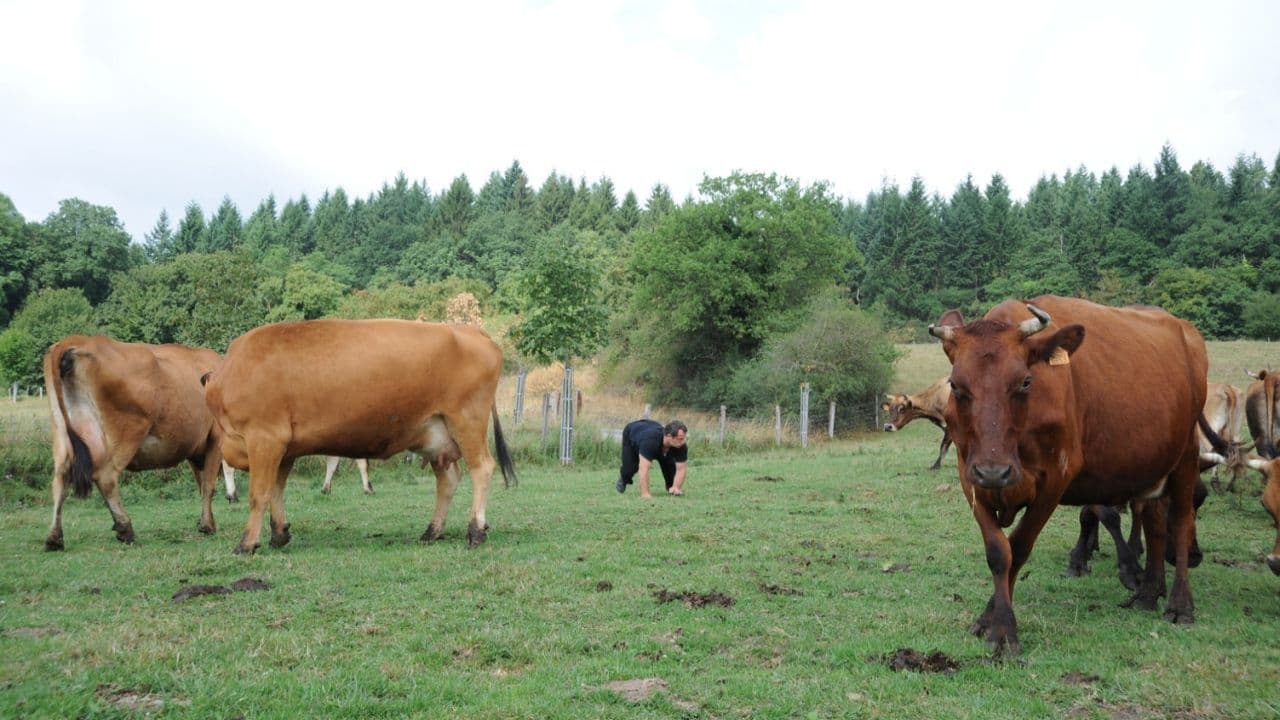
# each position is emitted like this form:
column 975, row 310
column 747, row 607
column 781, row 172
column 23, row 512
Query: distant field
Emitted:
column 922, row 363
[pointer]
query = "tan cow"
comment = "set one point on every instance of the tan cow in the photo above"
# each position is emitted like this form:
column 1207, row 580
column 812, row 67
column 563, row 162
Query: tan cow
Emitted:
column 929, row 403
column 1262, row 411
column 1270, row 469
column 127, row 406
column 359, row 388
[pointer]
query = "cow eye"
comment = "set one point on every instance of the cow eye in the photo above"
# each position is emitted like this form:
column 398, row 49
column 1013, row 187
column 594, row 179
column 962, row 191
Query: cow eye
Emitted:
column 1026, row 384
column 959, row 392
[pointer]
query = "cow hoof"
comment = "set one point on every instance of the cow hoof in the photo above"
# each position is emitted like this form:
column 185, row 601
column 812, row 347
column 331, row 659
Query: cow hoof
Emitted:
column 1180, row 617
column 1273, row 562
column 476, row 535
column 54, row 543
column 324, row 491
column 1140, row 601
column 243, row 549
column 233, row 498
column 282, row 538
column 369, row 491
column 1129, row 579
column 1075, row 569
column 126, row 535
column 431, row 534
column 1006, row 650
column 206, row 529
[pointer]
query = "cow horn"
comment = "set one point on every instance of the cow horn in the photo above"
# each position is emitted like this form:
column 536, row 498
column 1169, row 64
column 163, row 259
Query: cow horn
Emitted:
column 1258, row 464
column 1031, row 326
column 946, row 333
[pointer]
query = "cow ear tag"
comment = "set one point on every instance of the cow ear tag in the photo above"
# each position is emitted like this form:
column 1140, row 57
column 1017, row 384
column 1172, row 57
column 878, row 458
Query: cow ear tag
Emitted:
column 1059, row 357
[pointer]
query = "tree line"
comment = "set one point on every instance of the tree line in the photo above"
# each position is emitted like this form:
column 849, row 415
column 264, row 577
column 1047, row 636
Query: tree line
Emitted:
column 735, row 295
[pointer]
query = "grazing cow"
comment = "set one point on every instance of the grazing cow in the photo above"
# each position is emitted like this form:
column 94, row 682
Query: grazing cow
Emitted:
column 1270, row 469
column 1041, row 418
column 332, row 467
column 1262, row 411
column 359, row 388
column 929, row 403
column 127, row 406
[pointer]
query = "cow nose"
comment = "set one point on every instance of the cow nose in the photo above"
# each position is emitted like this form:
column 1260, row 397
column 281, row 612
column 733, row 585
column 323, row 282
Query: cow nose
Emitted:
column 992, row 476
column 888, row 427
column 1273, row 562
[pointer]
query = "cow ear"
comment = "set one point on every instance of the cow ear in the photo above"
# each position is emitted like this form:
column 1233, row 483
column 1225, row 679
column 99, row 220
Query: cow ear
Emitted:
column 1055, row 349
column 884, row 407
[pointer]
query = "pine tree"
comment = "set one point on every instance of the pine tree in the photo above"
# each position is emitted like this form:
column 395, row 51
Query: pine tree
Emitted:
column 159, row 242
column 190, row 230
column 457, row 208
column 225, row 228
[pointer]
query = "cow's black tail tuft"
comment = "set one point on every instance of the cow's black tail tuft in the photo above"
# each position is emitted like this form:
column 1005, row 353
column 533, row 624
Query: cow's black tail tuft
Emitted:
column 504, row 455
column 81, row 466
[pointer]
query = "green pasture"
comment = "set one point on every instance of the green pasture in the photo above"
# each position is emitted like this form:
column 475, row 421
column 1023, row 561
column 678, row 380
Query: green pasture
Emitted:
column 829, row 561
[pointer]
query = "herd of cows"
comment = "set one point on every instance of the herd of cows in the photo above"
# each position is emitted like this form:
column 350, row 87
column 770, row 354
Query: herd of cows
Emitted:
column 352, row 388
column 1037, row 404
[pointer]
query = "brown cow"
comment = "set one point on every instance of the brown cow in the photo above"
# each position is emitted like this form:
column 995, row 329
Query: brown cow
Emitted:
column 1270, row 469
column 1042, row 418
column 929, row 403
column 127, row 406
column 359, row 388
column 1262, row 411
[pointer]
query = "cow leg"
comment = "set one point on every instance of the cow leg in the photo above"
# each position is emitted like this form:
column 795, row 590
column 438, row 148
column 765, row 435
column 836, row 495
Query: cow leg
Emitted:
column 1135, row 528
column 1270, row 501
column 108, row 479
column 1154, row 526
column 1182, row 506
column 331, row 466
column 447, row 479
column 363, row 465
column 229, row 479
column 997, row 622
column 1127, row 564
column 279, row 525
column 264, row 469
column 206, row 473
column 480, row 465
column 942, row 450
column 60, row 489
column 1078, row 559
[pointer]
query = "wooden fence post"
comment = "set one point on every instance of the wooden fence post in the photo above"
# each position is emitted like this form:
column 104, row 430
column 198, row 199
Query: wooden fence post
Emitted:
column 831, row 420
column 648, row 410
column 520, row 378
column 777, row 424
column 804, row 415
column 722, row 417
column 546, row 415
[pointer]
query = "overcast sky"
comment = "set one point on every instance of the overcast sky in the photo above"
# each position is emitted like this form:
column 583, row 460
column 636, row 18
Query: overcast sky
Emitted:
column 144, row 106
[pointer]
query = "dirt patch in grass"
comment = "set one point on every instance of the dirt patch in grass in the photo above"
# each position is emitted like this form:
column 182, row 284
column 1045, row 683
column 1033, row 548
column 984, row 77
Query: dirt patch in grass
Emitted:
column 1079, row 678
column 1237, row 564
column 31, row 632
column 130, row 699
column 912, row 659
column 244, row 584
column 779, row 590
column 767, row 478
column 604, row 586
column 638, row 690
column 694, row 599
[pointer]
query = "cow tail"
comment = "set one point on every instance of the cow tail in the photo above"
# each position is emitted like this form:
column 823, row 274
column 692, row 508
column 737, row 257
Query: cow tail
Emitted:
column 504, row 455
column 1268, row 435
column 1220, row 446
column 59, row 370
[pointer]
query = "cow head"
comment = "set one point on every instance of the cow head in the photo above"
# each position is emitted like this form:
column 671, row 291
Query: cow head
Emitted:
column 991, row 387
column 895, row 408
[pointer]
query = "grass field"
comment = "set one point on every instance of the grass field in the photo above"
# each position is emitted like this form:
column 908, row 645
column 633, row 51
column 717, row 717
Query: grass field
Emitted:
column 828, row 561
column 782, row 586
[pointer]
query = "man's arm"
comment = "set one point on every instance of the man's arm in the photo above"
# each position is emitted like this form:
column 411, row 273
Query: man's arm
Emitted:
column 644, row 476
column 677, row 484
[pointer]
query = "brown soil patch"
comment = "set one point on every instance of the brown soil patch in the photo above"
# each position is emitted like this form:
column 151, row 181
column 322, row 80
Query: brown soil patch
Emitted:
column 604, row 586
column 250, row 584
column 130, row 699
column 695, row 599
column 31, row 631
column 1079, row 678
column 779, row 590
column 191, row 591
column 638, row 690
column 767, row 478
column 911, row 659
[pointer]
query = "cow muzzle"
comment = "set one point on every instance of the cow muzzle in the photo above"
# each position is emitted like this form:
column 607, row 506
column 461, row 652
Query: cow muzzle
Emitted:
column 890, row 427
column 992, row 477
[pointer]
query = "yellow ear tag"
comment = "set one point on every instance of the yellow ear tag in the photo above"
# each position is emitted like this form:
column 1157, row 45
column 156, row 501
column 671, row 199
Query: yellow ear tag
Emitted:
column 1060, row 357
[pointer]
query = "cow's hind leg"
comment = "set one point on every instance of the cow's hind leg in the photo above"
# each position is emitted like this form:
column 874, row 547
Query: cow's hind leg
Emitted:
column 362, row 464
column 1181, row 607
column 206, row 472
column 447, row 478
column 279, row 525
column 60, row 489
column 480, row 465
column 108, row 479
column 1078, row 560
column 264, row 468
column 1152, row 587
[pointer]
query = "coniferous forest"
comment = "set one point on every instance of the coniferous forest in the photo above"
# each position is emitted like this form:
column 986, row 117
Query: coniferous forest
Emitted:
column 733, row 295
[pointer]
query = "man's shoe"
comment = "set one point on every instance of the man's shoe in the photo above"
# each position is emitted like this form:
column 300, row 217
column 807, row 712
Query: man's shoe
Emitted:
column 621, row 485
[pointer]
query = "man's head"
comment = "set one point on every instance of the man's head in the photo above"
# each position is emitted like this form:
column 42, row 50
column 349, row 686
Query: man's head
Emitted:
column 676, row 433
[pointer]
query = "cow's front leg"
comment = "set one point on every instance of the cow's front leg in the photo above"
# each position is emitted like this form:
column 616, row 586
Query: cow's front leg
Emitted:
column 206, row 473
column 997, row 623
column 1182, row 515
column 447, row 478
